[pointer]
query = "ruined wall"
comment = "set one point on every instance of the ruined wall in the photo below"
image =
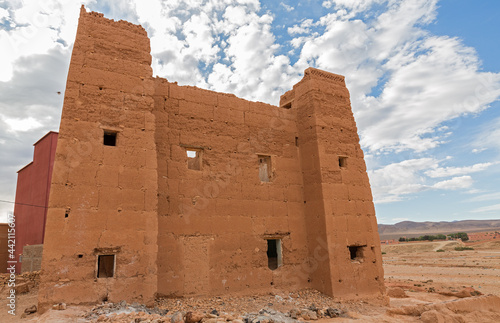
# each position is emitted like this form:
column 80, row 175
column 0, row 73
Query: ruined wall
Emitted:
column 103, row 198
column 214, row 222
column 193, row 192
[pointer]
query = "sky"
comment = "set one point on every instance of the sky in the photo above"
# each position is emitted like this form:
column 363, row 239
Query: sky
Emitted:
column 424, row 79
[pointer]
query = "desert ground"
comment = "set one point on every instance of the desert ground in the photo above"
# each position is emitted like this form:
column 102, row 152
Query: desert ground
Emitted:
column 423, row 285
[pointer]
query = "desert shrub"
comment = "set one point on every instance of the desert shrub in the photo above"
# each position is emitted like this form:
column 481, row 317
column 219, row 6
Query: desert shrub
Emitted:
column 463, row 248
column 462, row 235
column 440, row 250
column 383, row 252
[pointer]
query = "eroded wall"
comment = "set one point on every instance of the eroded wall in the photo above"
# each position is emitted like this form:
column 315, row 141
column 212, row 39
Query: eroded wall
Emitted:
column 103, row 199
column 214, row 222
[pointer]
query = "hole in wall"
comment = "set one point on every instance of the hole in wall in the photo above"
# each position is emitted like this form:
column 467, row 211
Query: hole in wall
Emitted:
column 66, row 214
column 274, row 256
column 287, row 105
column 109, row 138
column 193, row 158
column 105, row 266
column 356, row 252
column 342, row 161
column 264, row 168
column 296, row 141
column 80, row 256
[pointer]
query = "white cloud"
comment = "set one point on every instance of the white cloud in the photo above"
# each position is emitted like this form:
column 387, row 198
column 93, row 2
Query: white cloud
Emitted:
column 485, row 197
column 397, row 181
column 287, row 7
column 22, row 125
column 393, row 182
column 478, row 150
column 303, row 28
column 454, row 171
column 489, row 137
column 490, row 208
column 455, row 183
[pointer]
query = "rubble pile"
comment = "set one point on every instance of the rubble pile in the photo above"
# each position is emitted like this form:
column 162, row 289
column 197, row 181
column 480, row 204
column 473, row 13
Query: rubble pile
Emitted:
column 287, row 308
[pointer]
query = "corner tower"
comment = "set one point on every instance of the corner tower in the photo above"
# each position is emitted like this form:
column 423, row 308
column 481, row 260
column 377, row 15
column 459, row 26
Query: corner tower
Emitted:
column 344, row 245
column 102, row 221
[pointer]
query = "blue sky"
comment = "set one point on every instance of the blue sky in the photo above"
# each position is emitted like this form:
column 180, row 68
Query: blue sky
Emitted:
column 424, row 78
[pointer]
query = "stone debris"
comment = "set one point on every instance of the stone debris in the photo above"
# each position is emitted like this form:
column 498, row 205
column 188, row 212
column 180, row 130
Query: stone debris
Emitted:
column 30, row 310
column 25, row 282
column 216, row 310
column 59, row 307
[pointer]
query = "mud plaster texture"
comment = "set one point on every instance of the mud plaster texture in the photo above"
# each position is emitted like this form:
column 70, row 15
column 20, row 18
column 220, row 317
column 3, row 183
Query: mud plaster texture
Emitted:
column 292, row 173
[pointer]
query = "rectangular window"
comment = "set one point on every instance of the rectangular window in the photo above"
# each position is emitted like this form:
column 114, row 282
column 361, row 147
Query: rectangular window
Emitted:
column 193, row 158
column 274, row 257
column 109, row 138
column 342, row 161
column 105, row 266
column 356, row 252
column 264, row 168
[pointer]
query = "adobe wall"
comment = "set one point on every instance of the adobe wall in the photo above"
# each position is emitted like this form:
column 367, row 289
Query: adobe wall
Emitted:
column 177, row 231
column 213, row 222
column 103, row 199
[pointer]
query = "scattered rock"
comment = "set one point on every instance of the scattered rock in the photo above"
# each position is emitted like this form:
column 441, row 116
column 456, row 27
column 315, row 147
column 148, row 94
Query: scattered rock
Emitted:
column 22, row 288
column 30, row 310
column 396, row 292
column 333, row 312
column 194, row 317
column 178, row 317
column 59, row 307
column 308, row 315
column 294, row 313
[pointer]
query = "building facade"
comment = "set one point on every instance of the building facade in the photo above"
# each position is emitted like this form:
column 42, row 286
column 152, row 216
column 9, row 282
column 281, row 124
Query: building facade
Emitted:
column 167, row 190
column 32, row 195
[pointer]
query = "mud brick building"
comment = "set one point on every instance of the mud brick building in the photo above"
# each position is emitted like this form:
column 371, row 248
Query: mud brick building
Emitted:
column 161, row 189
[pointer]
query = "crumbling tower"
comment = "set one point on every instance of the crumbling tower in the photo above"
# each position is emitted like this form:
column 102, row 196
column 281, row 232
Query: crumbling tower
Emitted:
column 102, row 219
column 161, row 189
column 341, row 223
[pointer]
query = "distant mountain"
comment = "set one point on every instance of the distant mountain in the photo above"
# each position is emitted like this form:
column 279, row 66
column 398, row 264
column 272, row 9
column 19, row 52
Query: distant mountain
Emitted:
column 415, row 229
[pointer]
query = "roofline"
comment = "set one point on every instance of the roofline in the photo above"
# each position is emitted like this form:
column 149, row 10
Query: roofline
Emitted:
column 24, row 167
column 47, row 134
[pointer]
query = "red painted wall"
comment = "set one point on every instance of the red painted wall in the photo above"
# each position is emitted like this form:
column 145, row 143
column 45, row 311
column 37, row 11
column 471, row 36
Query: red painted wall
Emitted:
column 32, row 195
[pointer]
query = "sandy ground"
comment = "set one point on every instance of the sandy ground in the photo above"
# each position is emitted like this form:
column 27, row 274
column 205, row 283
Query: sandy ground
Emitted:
column 427, row 286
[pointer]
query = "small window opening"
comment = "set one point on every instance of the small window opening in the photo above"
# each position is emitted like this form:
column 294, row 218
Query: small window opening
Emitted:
column 356, row 252
column 342, row 162
column 297, row 141
column 274, row 258
column 66, row 214
column 194, row 159
column 80, row 256
column 264, row 168
column 105, row 266
column 109, row 138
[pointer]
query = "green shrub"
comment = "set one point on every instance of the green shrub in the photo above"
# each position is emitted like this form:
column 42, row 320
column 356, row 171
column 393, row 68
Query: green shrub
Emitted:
column 383, row 252
column 463, row 248
column 440, row 250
